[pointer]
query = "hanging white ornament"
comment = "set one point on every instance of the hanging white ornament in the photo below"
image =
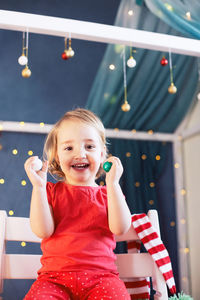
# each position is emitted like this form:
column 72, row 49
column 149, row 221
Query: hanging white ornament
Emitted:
column 131, row 62
column 22, row 60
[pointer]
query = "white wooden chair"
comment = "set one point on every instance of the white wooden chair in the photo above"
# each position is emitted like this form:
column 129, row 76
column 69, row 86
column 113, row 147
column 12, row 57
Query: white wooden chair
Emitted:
column 25, row 266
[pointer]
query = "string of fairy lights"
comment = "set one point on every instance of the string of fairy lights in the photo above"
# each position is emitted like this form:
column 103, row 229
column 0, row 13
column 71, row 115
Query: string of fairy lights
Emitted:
column 15, row 152
column 137, row 184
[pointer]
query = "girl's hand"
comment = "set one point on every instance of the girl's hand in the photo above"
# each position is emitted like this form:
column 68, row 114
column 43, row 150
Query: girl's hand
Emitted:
column 37, row 178
column 113, row 176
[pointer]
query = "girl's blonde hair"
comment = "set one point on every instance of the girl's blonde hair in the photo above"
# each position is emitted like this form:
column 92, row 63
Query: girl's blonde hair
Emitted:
column 50, row 146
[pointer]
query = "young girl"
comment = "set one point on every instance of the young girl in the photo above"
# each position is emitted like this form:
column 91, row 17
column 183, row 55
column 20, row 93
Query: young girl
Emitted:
column 76, row 218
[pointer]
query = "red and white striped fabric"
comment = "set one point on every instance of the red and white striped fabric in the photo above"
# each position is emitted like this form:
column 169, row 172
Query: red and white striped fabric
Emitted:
column 155, row 247
column 138, row 288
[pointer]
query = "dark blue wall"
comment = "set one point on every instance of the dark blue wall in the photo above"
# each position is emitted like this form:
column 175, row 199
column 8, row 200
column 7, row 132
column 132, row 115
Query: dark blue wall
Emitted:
column 55, row 85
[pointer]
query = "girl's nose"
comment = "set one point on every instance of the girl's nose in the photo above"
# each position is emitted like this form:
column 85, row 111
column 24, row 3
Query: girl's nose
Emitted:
column 80, row 153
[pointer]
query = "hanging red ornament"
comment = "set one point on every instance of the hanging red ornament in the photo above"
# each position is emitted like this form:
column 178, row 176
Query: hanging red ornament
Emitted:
column 68, row 52
column 163, row 61
column 64, row 55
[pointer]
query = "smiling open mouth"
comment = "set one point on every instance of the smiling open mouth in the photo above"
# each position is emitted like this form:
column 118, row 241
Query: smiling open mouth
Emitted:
column 80, row 166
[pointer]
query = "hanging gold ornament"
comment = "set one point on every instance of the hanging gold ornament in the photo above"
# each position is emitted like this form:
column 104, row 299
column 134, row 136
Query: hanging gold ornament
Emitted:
column 125, row 107
column 172, row 89
column 70, row 51
column 26, row 72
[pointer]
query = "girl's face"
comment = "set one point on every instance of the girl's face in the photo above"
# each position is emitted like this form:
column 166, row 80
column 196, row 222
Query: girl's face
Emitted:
column 79, row 152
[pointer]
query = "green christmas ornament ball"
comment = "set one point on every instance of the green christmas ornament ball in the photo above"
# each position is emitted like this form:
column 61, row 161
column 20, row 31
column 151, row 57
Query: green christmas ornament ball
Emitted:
column 106, row 166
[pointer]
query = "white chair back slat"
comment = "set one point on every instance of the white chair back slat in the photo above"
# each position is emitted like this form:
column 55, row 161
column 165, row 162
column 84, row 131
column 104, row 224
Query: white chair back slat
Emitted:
column 18, row 266
column 18, row 229
column 139, row 265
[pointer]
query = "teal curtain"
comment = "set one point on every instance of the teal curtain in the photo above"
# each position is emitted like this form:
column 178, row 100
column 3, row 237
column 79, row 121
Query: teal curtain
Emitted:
column 182, row 15
column 152, row 108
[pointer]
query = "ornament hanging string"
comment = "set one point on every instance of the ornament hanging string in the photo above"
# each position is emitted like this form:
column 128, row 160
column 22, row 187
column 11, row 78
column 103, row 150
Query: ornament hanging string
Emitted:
column 70, row 42
column 26, row 72
column 23, row 42
column 172, row 89
column 70, row 50
column 65, row 40
column 170, row 65
column 124, row 71
column 27, row 35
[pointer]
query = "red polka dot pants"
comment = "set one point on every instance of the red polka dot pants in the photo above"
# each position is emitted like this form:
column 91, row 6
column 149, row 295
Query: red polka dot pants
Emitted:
column 78, row 286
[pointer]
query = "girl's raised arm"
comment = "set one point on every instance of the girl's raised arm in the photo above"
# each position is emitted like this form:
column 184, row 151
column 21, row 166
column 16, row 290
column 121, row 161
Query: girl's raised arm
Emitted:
column 41, row 214
column 119, row 216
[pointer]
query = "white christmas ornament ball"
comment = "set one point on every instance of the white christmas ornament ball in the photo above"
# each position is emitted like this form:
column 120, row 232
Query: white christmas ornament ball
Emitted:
column 37, row 164
column 131, row 62
column 22, row 60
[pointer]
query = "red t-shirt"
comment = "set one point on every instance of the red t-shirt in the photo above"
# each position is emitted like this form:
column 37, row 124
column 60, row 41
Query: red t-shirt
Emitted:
column 82, row 239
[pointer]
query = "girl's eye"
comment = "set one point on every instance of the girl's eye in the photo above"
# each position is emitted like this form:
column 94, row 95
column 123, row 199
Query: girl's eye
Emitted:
column 69, row 148
column 89, row 147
